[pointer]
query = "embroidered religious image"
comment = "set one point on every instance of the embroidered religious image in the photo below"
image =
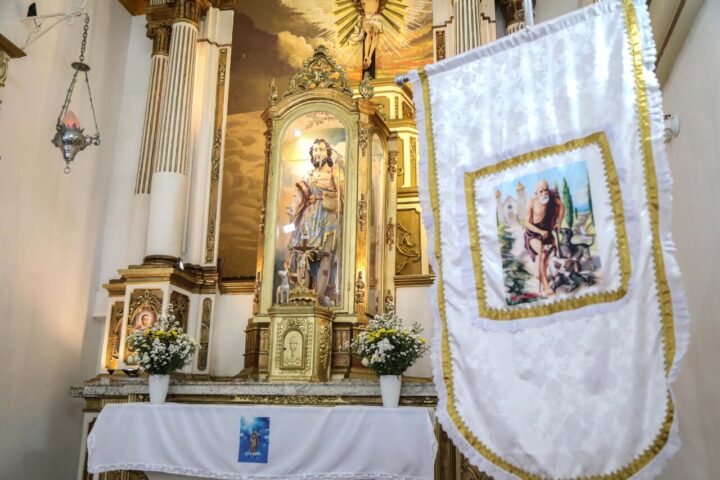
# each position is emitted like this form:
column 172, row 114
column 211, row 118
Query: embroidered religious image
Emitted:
column 254, row 439
column 310, row 208
column 547, row 234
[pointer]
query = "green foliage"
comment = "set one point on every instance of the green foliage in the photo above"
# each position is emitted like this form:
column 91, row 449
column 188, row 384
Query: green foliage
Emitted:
column 388, row 348
column 162, row 348
column 569, row 210
column 516, row 276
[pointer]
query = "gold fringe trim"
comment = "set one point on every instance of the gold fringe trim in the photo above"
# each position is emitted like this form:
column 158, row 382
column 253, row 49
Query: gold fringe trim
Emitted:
column 663, row 290
column 611, row 180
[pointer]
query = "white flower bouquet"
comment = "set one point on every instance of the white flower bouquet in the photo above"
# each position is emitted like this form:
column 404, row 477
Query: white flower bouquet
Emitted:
column 163, row 347
column 388, row 348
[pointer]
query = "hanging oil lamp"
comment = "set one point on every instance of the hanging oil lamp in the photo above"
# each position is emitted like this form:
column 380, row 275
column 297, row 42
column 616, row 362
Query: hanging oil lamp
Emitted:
column 70, row 138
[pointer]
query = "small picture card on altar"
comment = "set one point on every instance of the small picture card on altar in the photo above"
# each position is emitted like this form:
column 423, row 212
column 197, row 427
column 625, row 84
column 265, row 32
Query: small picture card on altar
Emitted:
column 254, row 439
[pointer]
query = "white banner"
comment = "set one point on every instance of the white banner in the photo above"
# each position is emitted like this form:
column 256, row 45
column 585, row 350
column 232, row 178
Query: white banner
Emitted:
column 560, row 318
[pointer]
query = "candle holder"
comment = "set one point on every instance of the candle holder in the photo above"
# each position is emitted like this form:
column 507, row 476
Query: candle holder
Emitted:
column 69, row 137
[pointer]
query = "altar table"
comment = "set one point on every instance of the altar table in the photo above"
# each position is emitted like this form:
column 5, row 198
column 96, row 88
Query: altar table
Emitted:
column 353, row 442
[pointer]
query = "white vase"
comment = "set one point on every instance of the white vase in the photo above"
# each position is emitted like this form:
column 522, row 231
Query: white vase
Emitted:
column 390, row 390
column 158, row 388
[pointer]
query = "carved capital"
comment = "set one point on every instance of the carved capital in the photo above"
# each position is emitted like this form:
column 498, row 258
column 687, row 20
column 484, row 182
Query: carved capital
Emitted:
column 160, row 34
column 190, row 10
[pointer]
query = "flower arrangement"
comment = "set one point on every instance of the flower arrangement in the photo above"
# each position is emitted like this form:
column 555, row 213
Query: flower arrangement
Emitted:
column 388, row 348
column 163, row 347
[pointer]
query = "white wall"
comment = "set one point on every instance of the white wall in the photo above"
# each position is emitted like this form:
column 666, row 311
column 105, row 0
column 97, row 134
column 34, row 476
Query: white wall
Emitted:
column 413, row 305
column 50, row 226
column 693, row 91
column 227, row 345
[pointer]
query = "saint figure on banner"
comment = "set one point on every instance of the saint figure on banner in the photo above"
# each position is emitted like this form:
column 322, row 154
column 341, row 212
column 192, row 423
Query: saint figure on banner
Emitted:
column 315, row 212
column 545, row 211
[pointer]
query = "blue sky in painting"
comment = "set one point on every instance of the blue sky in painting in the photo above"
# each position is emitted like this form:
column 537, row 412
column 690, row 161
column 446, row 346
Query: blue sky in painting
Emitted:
column 575, row 173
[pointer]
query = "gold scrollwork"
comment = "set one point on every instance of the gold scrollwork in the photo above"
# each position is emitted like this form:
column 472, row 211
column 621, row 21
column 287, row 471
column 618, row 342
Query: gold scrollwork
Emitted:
column 261, row 225
column 360, row 289
column 180, row 304
column 362, row 212
column 469, row 472
column 366, row 89
column 390, row 233
column 319, row 71
column 408, row 250
column 392, row 166
column 273, row 94
column 293, row 346
column 205, row 334
column 389, row 302
column 112, row 352
column 256, row 294
column 325, row 345
column 440, row 44
column 363, row 139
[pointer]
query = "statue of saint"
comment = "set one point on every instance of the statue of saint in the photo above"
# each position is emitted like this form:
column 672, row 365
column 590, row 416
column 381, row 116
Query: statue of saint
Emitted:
column 315, row 214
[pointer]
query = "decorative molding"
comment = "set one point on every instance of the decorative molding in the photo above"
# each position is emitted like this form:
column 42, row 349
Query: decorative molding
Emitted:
column 236, row 287
column 205, row 335
column 362, row 212
column 135, row 7
column 414, row 280
column 216, row 158
column 319, row 71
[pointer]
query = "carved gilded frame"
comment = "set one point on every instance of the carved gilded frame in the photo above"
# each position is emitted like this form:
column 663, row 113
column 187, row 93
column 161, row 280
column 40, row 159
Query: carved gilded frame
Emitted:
column 279, row 118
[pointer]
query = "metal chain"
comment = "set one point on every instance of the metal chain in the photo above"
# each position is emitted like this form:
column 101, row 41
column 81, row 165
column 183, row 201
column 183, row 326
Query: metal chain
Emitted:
column 95, row 139
column 68, row 96
column 84, row 38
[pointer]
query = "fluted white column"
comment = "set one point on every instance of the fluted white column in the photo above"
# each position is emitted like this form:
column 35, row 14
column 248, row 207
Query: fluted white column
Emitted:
column 168, row 196
column 141, row 200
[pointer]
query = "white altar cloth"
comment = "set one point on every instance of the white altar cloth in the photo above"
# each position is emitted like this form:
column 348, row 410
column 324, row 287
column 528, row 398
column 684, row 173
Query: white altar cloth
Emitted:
column 304, row 442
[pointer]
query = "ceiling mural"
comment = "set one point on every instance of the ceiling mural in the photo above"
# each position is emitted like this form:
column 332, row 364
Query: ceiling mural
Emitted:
column 272, row 39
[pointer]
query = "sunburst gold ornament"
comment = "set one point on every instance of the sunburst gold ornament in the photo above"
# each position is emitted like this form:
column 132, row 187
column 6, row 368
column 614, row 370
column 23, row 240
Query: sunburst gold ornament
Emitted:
column 70, row 138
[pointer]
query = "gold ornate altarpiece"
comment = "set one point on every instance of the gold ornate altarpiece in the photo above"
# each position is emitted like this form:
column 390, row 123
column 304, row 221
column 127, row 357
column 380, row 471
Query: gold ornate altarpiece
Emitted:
column 363, row 256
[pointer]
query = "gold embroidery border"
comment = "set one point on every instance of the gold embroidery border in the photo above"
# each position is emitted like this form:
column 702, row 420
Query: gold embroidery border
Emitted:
column 611, row 181
column 661, row 438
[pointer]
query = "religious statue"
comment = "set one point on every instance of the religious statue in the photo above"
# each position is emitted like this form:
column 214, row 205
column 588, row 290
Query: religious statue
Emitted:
column 315, row 213
column 368, row 28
